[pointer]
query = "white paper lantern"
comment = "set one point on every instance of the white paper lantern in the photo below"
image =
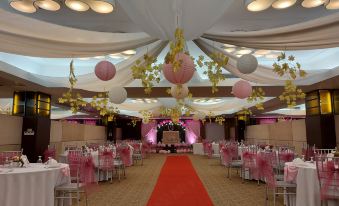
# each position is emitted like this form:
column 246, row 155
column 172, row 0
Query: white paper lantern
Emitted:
column 117, row 95
column 247, row 64
column 179, row 91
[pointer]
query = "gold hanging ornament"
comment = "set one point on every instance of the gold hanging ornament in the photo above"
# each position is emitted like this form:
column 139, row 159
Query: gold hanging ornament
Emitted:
column 101, row 104
column 75, row 101
column 287, row 66
column 220, row 120
column 146, row 116
column 257, row 95
column 214, row 68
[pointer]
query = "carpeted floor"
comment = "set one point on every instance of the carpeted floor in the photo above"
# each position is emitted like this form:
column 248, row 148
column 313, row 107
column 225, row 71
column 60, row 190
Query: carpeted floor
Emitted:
column 137, row 188
column 179, row 185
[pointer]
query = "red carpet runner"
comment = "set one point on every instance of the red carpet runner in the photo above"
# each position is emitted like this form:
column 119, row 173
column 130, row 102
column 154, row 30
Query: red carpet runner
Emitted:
column 179, row 184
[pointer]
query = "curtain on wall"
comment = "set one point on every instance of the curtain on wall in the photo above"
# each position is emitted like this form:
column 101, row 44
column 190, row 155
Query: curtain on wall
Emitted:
column 192, row 131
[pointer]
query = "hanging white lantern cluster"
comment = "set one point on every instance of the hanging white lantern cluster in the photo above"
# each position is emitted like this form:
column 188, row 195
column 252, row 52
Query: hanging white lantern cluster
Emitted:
column 117, row 95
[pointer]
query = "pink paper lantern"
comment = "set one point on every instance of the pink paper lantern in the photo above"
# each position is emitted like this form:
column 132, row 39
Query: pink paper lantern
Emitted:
column 183, row 74
column 242, row 89
column 105, row 70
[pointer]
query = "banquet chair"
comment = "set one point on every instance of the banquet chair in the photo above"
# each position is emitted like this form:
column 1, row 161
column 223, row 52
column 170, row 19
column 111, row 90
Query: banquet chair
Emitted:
column 120, row 160
column 137, row 154
column 105, row 164
column 284, row 155
column 76, row 186
column 328, row 176
column 231, row 158
column 8, row 155
column 323, row 151
column 265, row 164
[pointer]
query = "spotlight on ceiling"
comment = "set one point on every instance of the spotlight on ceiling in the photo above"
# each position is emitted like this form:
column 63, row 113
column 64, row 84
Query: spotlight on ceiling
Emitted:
column 77, row 5
column 26, row 6
column 283, row 4
column 312, row 3
column 332, row 4
column 50, row 5
column 258, row 5
column 102, row 6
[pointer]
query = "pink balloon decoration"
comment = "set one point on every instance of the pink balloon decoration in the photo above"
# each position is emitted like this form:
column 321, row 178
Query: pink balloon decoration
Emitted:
column 242, row 89
column 183, row 74
column 105, row 70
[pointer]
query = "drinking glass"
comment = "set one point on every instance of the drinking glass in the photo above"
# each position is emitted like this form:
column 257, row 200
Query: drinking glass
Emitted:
column 39, row 160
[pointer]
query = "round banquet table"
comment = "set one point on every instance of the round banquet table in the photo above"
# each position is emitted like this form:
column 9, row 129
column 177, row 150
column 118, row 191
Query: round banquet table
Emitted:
column 31, row 186
column 308, row 188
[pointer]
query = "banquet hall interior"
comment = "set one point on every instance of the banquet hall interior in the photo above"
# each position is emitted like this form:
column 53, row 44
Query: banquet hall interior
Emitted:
column 169, row 102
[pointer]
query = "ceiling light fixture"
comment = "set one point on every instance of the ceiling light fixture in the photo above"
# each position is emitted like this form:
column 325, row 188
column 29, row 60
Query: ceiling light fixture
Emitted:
column 312, row 3
column 283, row 4
column 31, row 6
column 50, row 5
column 129, row 52
column 258, row 5
column 332, row 4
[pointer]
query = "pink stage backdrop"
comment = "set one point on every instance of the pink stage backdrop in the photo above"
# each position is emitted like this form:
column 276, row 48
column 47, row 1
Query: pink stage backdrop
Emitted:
column 192, row 131
column 149, row 132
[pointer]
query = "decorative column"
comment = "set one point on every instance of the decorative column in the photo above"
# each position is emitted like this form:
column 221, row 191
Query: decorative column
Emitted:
column 321, row 107
column 35, row 108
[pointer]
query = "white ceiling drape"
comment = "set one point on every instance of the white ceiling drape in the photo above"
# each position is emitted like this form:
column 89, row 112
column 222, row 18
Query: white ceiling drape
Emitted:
column 314, row 34
column 265, row 75
column 90, row 82
column 160, row 18
column 31, row 37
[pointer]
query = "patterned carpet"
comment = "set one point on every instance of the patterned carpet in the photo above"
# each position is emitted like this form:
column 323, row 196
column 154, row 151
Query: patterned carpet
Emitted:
column 136, row 189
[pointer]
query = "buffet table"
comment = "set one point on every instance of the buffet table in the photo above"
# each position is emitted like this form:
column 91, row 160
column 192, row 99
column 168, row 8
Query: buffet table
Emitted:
column 308, row 189
column 31, row 186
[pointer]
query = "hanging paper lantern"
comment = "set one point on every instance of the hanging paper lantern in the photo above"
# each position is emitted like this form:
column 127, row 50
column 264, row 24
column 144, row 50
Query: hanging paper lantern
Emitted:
column 105, row 70
column 179, row 91
column 117, row 95
column 242, row 89
column 247, row 64
column 183, row 74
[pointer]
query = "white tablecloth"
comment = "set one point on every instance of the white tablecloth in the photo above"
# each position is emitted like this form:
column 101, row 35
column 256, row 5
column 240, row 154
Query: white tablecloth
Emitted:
column 198, row 149
column 31, row 186
column 308, row 188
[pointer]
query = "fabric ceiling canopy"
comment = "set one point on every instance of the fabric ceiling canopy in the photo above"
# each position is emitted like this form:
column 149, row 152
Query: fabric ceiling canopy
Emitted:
column 314, row 34
column 264, row 75
column 31, row 37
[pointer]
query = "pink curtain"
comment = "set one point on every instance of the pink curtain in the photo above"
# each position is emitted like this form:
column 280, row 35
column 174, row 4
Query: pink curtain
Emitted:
column 192, row 131
column 149, row 131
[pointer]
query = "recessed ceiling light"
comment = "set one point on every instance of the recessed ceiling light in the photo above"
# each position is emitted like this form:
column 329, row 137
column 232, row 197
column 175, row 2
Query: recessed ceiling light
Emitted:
column 254, row 5
column 229, row 50
column 258, row 55
column 244, row 51
column 312, row 3
column 332, row 4
column 77, row 5
column 129, row 52
column 99, row 57
column 84, row 58
column 26, row 6
column 229, row 46
column 283, row 4
column 262, row 52
column 103, row 6
column 271, row 56
column 49, row 5
column 116, row 56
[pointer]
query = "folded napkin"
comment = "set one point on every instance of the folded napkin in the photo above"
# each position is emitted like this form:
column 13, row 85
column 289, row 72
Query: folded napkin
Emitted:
column 25, row 160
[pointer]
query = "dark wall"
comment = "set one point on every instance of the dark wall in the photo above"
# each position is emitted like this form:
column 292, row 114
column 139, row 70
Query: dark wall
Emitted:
column 128, row 130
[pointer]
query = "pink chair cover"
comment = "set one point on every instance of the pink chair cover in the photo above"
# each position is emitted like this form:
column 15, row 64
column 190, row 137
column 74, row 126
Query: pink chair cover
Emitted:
column 286, row 156
column 124, row 153
column 106, row 160
column 209, row 149
column 328, row 173
column 290, row 173
column 265, row 168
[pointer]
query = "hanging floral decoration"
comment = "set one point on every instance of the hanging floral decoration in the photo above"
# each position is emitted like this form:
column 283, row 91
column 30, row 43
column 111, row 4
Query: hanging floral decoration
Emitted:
column 148, row 72
column 146, row 116
column 101, row 104
column 287, row 66
column 245, row 111
column 75, row 101
column 176, row 47
column 258, row 95
column 214, row 68
column 220, row 120
column 134, row 121
column 203, row 121
column 291, row 94
column 165, row 123
column 178, row 91
column 210, row 115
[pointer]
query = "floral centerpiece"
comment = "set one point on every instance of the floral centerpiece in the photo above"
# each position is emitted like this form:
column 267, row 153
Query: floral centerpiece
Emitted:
column 18, row 160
